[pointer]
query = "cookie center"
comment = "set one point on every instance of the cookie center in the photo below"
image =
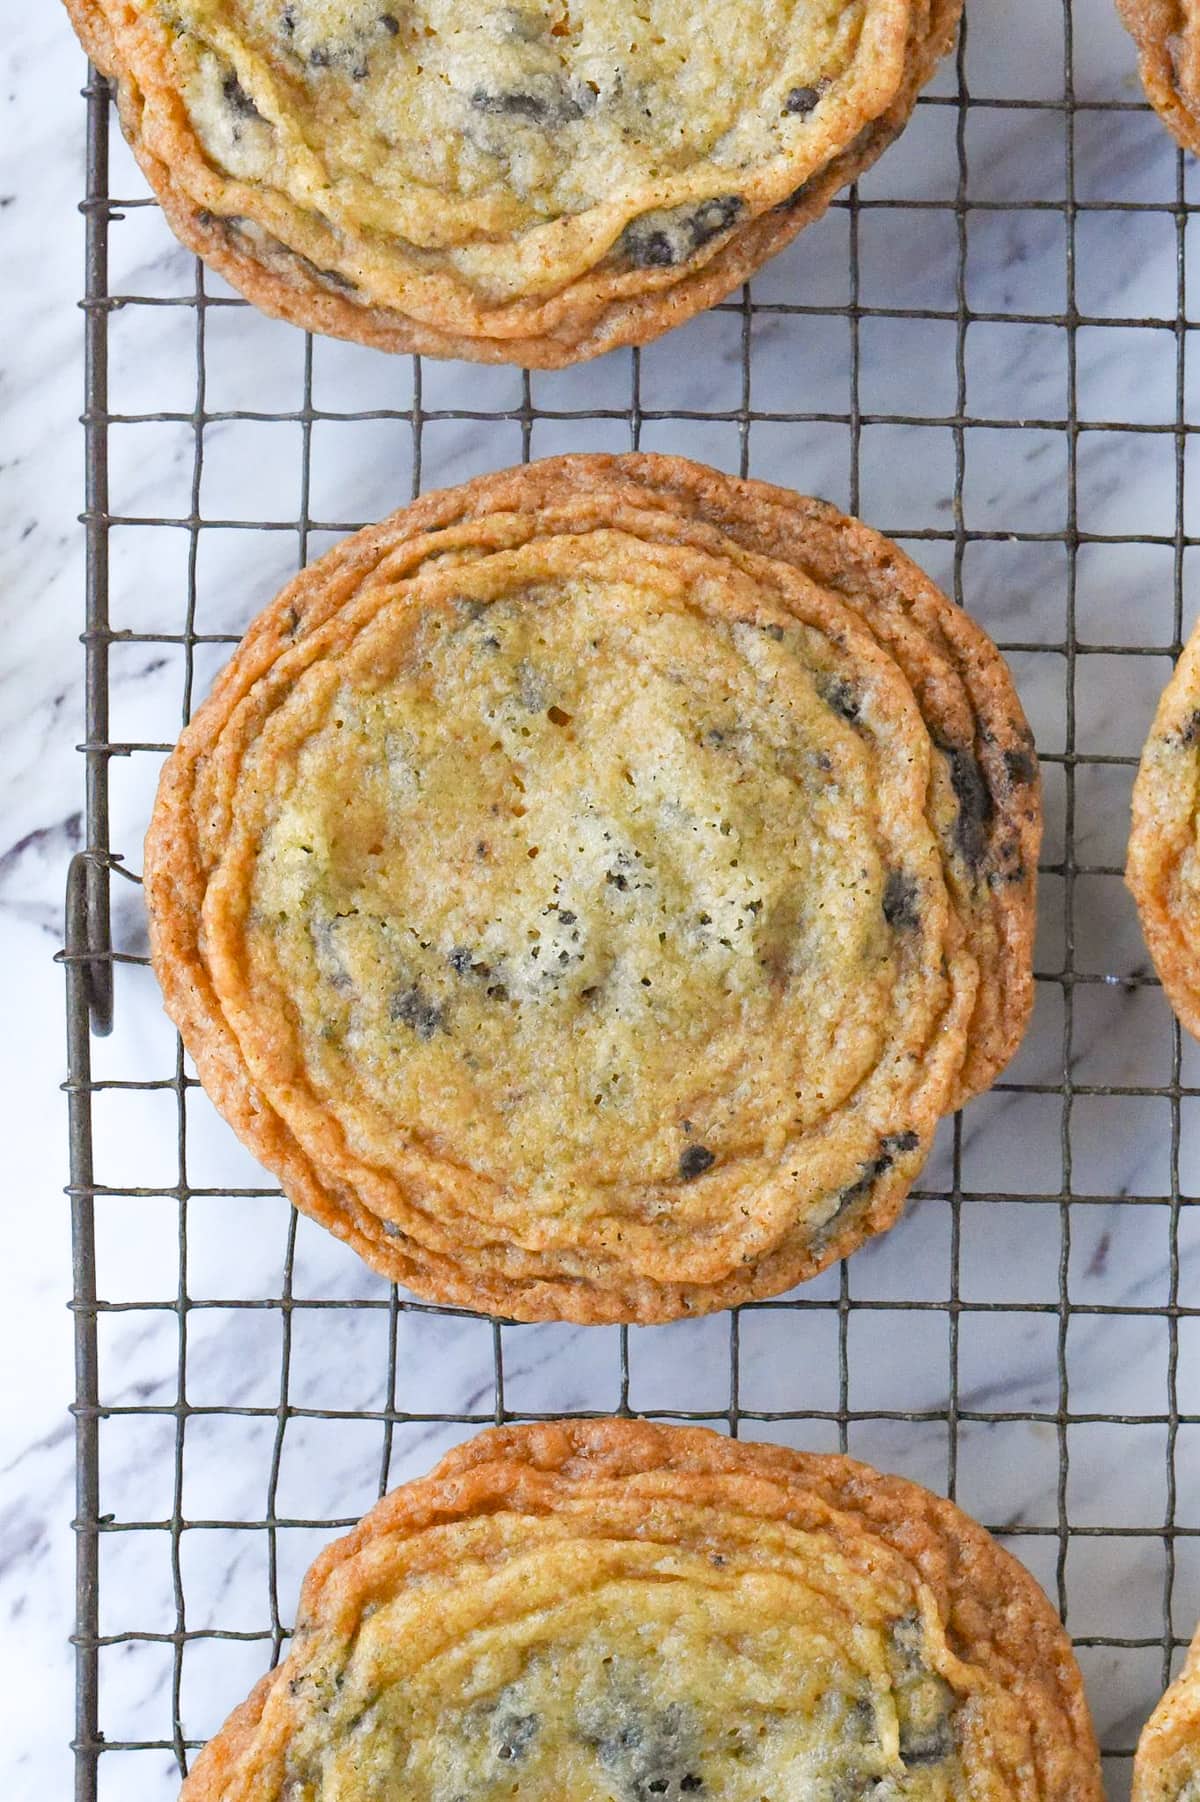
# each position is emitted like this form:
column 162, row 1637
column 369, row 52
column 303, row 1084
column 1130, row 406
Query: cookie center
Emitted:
column 588, row 892
column 661, row 1689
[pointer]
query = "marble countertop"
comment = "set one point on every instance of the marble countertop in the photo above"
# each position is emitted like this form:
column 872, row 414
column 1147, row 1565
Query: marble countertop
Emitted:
column 1110, row 1255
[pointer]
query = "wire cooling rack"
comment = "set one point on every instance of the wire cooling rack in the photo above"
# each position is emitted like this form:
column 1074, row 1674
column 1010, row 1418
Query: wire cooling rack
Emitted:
column 986, row 1345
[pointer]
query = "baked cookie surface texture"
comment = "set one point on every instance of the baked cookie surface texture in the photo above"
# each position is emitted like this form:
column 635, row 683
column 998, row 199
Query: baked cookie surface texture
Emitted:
column 1166, row 1767
column 587, row 889
column 530, row 183
column 1167, row 35
column 1163, row 865
column 609, row 1609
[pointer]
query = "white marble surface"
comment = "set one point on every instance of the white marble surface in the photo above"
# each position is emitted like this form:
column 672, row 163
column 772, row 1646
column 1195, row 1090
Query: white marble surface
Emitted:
column 1011, row 1251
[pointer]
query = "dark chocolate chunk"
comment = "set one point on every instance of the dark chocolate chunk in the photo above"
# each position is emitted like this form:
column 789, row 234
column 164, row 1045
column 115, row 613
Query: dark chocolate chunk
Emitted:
column 928, row 1743
column 695, row 1161
column 924, row 1700
column 976, row 809
column 664, row 238
column 1021, row 766
column 651, row 1757
column 412, row 1007
column 237, row 99
column 547, row 101
column 900, row 900
column 712, row 217
column 390, row 23
column 838, row 694
column 333, row 278
column 1189, row 732
column 893, row 1145
column 801, row 100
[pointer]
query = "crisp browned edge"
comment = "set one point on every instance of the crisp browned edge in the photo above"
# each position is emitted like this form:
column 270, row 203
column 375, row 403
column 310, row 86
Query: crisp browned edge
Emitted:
column 1173, row 1727
column 1152, row 24
column 301, row 300
column 1150, row 862
column 996, row 1615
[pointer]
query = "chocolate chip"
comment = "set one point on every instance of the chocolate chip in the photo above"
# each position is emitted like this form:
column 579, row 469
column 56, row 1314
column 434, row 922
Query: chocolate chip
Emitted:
column 927, row 1744
column 237, row 99
column 412, row 1007
column 893, row 1145
column 713, row 217
column 550, row 103
column 654, row 1756
column 390, row 23
column 695, row 1161
column 1021, row 766
column 801, row 100
column 664, row 238
column 976, row 809
column 460, row 960
column 900, row 900
column 1189, row 732
column 332, row 278
column 566, row 917
column 838, row 695
column 647, row 250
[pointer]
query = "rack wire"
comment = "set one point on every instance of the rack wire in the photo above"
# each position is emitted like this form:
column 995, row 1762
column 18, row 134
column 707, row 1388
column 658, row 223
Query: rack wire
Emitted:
column 1123, row 1570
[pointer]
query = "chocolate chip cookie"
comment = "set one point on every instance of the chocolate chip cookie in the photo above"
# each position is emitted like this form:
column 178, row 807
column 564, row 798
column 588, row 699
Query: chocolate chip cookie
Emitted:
column 609, row 1609
column 1167, row 1765
column 1162, row 869
column 588, row 889
column 530, row 183
column 1167, row 35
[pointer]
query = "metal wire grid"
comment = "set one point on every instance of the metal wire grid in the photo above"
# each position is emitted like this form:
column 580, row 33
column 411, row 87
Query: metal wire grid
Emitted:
column 91, row 958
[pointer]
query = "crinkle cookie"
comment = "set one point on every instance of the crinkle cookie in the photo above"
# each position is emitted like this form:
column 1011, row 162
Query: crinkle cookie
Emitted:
column 1163, row 865
column 530, row 183
column 587, row 889
column 611, row 1611
column 1167, row 1765
column 1167, row 35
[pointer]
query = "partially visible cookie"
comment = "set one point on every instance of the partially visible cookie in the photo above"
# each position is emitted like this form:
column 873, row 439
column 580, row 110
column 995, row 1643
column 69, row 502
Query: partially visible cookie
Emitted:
column 1163, row 865
column 531, row 184
column 611, row 1611
column 1167, row 35
column 1167, row 1765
